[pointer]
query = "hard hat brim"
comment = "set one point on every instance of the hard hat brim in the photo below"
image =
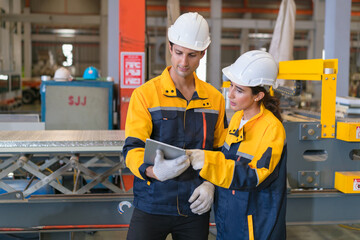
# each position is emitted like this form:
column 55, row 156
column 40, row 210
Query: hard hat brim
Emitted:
column 189, row 46
column 265, row 82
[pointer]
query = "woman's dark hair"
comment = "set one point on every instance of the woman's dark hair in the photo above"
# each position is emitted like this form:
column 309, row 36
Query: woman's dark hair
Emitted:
column 271, row 103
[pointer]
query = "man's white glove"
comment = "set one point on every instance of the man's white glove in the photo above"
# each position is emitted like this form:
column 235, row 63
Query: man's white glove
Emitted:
column 197, row 158
column 166, row 169
column 202, row 198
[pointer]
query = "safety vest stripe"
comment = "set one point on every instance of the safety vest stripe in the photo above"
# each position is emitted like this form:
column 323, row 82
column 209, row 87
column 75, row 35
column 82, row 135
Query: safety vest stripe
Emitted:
column 154, row 109
column 245, row 155
column 206, row 110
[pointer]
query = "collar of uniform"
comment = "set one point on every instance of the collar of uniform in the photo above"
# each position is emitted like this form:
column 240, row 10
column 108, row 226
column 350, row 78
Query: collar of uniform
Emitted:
column 236, row 134
column 240, row 114
column 201, row 98
column 167, row 85
column 168, row 89
column 199, row 88
column 262, row 107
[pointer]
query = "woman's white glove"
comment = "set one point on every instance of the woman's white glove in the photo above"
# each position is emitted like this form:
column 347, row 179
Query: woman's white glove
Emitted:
column 202, row 198
column 197, row 158
column 165, row 169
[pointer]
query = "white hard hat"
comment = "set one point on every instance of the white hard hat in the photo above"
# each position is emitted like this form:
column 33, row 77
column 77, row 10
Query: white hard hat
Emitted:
column 190, row 30
column 253, row 68
column 62, row 74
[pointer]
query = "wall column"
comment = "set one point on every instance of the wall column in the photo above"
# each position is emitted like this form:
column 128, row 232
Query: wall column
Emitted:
column 131, row 39
column 27, row 46
column 337, row 40
column 214, row 54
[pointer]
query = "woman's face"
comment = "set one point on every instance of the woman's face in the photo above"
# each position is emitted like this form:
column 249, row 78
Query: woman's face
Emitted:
column 241, row 98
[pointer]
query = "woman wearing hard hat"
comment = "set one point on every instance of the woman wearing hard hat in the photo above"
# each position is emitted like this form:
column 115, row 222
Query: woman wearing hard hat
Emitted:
column 176, row 108
column 250, row 170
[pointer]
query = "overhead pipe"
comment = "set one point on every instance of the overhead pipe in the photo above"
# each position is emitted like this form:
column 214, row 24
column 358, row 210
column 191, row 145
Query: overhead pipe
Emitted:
column 228, row 10
column 245, row 9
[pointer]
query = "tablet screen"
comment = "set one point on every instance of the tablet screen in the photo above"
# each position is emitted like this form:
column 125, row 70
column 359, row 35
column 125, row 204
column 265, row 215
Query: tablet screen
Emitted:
column 170, row 152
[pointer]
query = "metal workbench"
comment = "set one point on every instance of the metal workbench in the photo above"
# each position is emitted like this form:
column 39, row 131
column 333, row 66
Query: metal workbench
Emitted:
column 88, row 157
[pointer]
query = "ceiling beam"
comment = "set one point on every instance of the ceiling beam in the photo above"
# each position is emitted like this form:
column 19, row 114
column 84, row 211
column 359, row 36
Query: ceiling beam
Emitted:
column 57, row 38
column 154, row 21
column 52, row 18
column 239, row 23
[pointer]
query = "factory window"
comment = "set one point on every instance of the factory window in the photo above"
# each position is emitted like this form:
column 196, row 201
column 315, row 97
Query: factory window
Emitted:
column 201, row 70
column 315, row 155
column 67, row 51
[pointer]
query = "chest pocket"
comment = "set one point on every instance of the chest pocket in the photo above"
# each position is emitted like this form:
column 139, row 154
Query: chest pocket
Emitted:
column 166, row 126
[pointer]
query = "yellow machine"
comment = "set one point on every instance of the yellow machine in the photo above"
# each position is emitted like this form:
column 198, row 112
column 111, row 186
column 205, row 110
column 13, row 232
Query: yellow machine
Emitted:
column 348, row 182
column 322, row 153
column 316, row 70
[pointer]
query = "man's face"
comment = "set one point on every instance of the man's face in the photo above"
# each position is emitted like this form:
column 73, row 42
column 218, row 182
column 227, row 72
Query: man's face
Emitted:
column 184, row 60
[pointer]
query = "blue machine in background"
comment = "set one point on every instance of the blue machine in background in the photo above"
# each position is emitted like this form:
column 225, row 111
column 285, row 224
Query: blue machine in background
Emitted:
column 22, row 184
column 77, row 105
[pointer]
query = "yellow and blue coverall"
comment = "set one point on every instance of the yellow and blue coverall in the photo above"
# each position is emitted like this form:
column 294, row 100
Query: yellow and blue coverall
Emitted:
column 159, row 111
column 250, row 202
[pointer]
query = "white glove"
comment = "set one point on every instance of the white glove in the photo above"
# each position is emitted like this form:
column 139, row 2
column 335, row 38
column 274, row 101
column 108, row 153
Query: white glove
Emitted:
column 204, row 195
column 167, row 169
column 197, row 158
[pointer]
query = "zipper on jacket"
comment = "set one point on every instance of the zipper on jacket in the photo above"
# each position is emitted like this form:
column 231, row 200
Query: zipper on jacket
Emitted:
column 238, row 160
column 177, row 197
column 185, row 124
column 204, row 127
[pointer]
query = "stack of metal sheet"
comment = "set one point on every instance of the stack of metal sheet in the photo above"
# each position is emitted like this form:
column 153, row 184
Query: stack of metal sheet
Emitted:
column 61, row 141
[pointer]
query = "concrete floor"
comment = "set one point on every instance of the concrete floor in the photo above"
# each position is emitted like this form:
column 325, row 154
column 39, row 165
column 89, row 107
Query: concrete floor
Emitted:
column 311, row 232
column 319, row 232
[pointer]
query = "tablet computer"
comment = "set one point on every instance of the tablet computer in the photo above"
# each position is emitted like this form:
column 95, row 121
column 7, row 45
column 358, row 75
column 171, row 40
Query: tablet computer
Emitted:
column 170, row 152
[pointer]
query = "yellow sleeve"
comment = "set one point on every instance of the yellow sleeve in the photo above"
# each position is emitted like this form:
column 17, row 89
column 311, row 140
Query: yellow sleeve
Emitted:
column 217, row 169
column 221, row 126
column 138, row 128
column 264, row 161
column 231, row 174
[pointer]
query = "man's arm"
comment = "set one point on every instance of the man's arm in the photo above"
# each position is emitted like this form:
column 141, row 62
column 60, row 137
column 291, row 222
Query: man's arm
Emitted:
column 138, row 128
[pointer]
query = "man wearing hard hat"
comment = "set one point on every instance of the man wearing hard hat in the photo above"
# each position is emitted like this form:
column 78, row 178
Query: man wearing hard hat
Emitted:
column 176, row 108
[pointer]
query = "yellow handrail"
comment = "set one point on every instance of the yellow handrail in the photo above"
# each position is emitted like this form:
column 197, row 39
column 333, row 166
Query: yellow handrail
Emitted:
column 316, row 70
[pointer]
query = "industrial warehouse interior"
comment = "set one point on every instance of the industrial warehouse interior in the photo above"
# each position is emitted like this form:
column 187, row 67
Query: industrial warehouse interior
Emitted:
column 68, row 71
